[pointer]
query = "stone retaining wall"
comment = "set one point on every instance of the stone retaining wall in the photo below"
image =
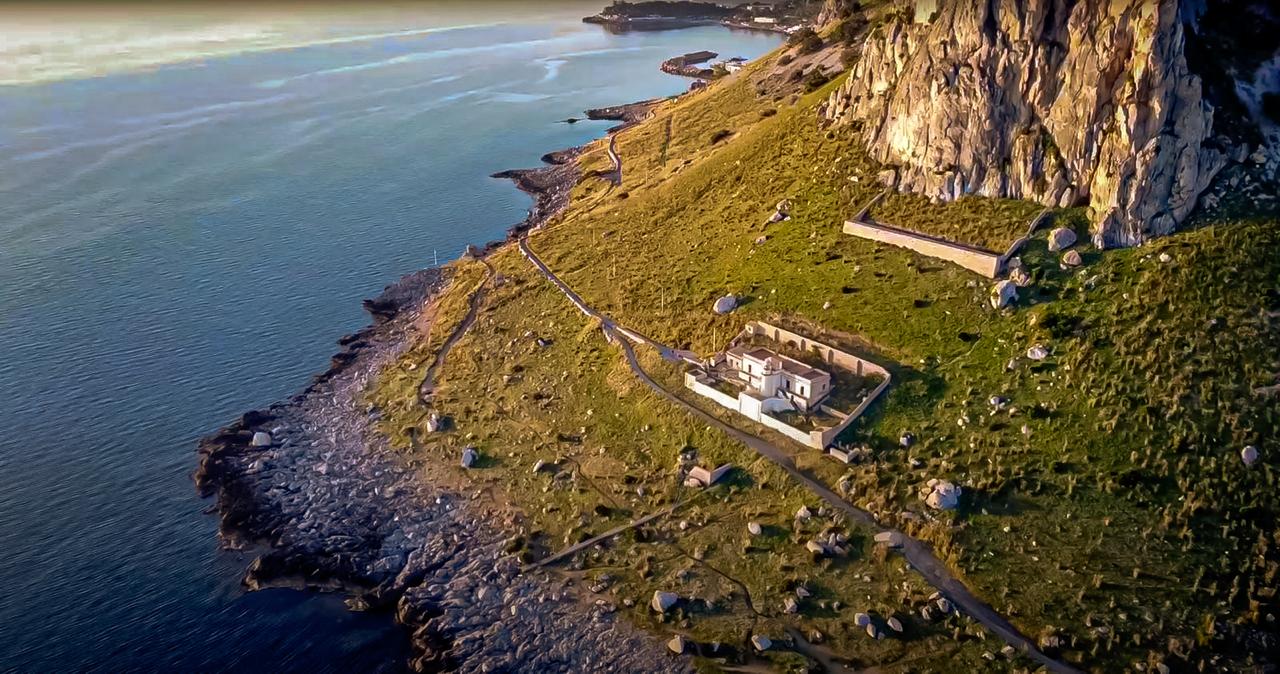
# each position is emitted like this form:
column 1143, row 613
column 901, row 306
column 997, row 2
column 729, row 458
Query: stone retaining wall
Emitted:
column 977, row 260
column 973, row 258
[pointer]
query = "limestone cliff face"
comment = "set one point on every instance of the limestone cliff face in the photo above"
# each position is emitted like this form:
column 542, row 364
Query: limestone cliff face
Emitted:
column 1058, row 101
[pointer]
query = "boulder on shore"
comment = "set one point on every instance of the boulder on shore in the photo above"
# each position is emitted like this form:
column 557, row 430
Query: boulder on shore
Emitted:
column 261, row 439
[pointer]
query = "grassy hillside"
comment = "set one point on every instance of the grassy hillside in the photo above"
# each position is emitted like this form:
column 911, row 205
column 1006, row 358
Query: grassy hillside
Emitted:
column 1106, row 501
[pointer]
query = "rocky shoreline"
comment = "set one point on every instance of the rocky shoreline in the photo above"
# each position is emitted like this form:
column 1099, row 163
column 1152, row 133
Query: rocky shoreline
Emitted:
column 311, row 487
column 549, row 186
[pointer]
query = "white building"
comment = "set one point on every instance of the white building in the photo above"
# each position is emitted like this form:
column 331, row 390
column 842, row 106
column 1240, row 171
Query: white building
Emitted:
column 769, row 374
column 768, row 20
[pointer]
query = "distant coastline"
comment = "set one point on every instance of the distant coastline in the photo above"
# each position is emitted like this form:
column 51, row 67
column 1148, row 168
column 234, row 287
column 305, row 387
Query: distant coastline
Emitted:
column 37, row 55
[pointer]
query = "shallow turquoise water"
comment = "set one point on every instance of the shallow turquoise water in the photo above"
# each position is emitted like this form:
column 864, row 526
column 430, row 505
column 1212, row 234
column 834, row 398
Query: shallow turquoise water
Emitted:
column 180, row 245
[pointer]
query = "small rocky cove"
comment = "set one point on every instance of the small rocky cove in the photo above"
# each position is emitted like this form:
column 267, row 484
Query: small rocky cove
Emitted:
column 311, row 488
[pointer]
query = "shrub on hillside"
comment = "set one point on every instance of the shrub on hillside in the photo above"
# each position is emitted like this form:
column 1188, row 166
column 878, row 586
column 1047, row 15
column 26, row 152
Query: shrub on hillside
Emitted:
column 806, row 40
column 815, row 79
column 720, row 135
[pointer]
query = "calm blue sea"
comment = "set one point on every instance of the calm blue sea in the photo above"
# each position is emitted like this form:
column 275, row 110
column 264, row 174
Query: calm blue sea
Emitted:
column 183, row 244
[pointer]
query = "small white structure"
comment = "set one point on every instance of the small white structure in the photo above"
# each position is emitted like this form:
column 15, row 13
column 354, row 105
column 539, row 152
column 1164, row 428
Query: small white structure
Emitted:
column 769, row 375
column 758, row 383
column 767, row 20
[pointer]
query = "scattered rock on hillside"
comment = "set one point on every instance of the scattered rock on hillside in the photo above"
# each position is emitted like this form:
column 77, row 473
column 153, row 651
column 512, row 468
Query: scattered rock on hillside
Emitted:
column 469, row 456
column 261, row 439
column 1037, row 352
column 861, row 619
column 1072, row 259
column 803, row 513
column 907, row 439
column 676, row 644
column 1249, row 455
column 1020, row 277
column 754, row 528
column 895, row 625
column 941, row 495
column 1003, row 294
column 1061, row 238
column 663, row 601
column 761, row 642
column 892, row 539
column 725, row 304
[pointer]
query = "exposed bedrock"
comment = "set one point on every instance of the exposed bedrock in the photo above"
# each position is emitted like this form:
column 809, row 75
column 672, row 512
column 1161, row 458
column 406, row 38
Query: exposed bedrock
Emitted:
column 1058, row 101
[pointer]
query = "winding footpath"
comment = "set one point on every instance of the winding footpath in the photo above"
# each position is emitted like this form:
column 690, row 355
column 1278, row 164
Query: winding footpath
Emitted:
column 615, row 176
column 427, row 389
column 917, row 553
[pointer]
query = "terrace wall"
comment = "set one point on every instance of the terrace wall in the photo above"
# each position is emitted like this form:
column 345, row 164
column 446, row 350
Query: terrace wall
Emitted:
column 973, row 258
column 977, row 260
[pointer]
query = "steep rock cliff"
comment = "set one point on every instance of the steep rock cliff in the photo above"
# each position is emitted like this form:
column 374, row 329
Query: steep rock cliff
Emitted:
column 1058, row 101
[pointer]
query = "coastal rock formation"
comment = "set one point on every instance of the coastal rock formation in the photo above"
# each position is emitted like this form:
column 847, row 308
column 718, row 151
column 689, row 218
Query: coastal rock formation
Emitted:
column 1051, row 100
column 326, row 503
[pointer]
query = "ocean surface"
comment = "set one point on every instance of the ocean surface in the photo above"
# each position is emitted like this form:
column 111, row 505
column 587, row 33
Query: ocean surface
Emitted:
column 181, row 244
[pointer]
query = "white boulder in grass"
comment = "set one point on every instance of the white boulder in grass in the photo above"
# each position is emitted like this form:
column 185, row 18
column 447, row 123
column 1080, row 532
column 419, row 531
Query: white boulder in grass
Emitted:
column 1061, row 238
column 663, row 601
column 1072, row 259
column 761, row 642
column 755, row 528
column 1037, row 352
column 1249, row 455
column 725, row 304
column 1003, row 293
column 942, row 495
column 261, row 439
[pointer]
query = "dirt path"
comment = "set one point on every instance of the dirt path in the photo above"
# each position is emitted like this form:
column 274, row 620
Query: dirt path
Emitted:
column 428, row 387
column 607, row 535
column 917, row 553
column 614, row 176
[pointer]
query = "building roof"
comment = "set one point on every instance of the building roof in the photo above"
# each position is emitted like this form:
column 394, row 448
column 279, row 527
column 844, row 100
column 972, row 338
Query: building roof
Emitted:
column 789, row 365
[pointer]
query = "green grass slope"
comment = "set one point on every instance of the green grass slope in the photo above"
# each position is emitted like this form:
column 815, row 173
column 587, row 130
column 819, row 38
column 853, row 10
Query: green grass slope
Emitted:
column 1106, row 501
